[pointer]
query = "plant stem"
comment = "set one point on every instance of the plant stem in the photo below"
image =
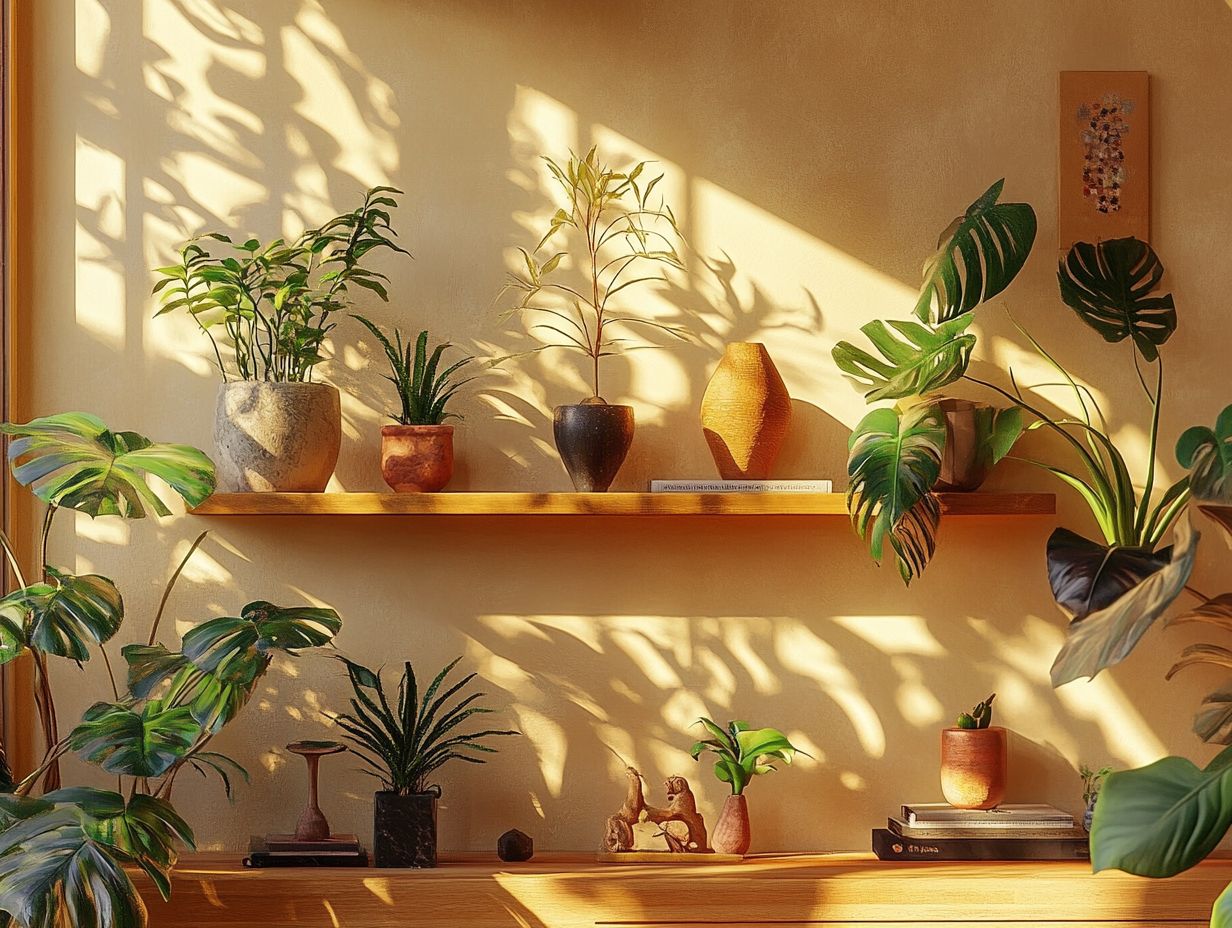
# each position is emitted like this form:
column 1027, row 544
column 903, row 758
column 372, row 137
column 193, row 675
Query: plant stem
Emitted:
column 115, row 690
column 1148, row 488
column 162, row 603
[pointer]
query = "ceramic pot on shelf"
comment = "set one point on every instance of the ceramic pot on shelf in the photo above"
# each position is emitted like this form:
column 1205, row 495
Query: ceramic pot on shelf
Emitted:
column 974, row 767
column 417, row 458
column 404, row 829
column 966, row 460
column 732, row 834
column 745, row 413
column 276, row 437
column 592, row 438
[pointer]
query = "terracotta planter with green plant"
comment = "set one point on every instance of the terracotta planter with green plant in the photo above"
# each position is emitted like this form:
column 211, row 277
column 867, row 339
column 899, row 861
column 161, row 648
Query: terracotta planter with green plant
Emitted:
column 67, row 856
column 417, row 452
column 741, row 753
column 403, row 742
column 618, row 238
column 974, row 760
column 267, row 309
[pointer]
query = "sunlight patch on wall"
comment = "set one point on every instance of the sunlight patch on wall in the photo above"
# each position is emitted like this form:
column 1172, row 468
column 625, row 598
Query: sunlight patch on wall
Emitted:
column 894, row 634
column 101, row 304
column 548, row 740
column 1100, row 702
column 799, row 649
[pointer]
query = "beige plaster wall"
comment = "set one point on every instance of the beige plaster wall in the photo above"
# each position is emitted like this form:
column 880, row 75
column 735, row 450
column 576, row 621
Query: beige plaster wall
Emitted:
column 813, row 152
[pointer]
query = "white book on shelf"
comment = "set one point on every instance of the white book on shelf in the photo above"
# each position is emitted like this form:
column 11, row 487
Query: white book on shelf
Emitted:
column 741, row 486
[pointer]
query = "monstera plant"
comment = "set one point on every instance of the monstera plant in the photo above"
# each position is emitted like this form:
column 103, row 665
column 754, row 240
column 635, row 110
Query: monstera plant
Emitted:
column 64, row 853
column 895, row 453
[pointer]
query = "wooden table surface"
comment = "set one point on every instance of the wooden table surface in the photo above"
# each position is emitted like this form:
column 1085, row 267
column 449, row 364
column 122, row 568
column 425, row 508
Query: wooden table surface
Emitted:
column 569, row 891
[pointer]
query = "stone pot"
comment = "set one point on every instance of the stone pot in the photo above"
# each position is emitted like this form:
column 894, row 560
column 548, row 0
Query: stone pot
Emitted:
column 1088, row 817
column 745, row 412
column 276, row 437
column 974, row 767
column 404, row 829
column 417, row 458
column 731, row 833
column 593, row 439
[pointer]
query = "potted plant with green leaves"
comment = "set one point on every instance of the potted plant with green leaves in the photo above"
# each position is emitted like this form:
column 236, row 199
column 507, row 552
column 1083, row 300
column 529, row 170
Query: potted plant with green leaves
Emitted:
column 974, row 760
column 619, row 238
column 417, row 452
column 1092, row 782
column 267, row 309
column 403, row 742
column 741, row 753
column 898, row 455
column 67, row 855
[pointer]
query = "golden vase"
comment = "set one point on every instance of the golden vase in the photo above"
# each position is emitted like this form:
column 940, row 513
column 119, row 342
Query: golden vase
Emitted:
column 745, row 412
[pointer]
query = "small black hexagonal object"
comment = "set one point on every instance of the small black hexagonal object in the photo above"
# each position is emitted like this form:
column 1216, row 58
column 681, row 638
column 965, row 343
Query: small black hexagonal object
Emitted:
column 515, row 845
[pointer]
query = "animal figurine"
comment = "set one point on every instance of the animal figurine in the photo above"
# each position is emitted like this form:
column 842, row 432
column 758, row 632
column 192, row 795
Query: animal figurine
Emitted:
column 681, row 807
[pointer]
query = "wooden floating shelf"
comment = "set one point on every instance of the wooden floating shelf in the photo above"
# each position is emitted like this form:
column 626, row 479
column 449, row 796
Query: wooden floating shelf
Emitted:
column 594, row 504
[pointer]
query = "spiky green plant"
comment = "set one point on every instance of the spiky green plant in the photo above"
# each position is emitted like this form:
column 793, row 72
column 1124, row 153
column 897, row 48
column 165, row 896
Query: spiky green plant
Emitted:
column 423, row 393
column 979, row 717
column 403, row 746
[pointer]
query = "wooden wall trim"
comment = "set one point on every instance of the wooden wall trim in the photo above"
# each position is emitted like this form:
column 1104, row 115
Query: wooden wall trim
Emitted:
column 18, row 717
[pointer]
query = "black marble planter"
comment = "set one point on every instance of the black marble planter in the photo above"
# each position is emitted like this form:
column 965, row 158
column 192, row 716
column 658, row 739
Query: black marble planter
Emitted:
column 404, row 830
column 593, row 439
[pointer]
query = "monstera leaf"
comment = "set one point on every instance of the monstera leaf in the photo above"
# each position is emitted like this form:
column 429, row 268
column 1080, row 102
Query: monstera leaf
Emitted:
column 74, row 460
column 977, row 257
column 66, row 616
column 1207, row 454
column 917, row 359
column 61, row 859
column 12, row 630
column 893, row 462
column 143, row 742
column 1106, row 637
column 237, row 649
column 1164, row 818
column 1109, row 286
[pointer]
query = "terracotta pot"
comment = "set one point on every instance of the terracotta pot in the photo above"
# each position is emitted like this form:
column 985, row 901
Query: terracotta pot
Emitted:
column 417, row 458
column 593, row 439
column 745, row 413
column 966, row 461
column 731, row 833
column 276, row 437
column 974, row 767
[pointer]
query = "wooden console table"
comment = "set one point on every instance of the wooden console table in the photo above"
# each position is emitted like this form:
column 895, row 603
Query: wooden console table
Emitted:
column 569, row 891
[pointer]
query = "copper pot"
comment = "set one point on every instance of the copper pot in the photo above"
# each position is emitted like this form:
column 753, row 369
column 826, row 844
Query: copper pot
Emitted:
column 974, row 767
column 417, row 458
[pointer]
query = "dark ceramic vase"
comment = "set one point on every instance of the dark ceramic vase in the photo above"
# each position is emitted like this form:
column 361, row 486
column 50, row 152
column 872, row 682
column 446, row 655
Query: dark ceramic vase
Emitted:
column 593, row 439
column 404, row 830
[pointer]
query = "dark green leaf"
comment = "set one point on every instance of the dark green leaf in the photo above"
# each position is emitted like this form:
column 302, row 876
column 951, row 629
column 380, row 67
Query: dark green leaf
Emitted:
column 1207, row 454
column 136, row 743
column 1087, row 576
column 893, row 463
column 977, row 257
column 1161, row 819
column 914, row 358
column 68, row 615
column 1109, row 286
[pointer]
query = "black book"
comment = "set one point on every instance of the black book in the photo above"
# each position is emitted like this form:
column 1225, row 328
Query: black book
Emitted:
column 1027, row 833
column 889, row 846
column 259, row 859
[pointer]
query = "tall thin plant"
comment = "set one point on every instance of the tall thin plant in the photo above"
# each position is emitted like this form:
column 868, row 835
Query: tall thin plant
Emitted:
column 622, row 238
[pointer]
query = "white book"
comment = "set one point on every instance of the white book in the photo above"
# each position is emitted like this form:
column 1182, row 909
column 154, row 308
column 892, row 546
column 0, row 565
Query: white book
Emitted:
column 925, row 814
column 741, row 486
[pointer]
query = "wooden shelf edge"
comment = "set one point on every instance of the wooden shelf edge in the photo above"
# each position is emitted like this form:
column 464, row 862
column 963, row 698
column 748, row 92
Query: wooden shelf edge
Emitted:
column 594, row 504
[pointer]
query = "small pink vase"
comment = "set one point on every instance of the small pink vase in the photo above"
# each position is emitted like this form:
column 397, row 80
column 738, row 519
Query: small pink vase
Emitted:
column 731, row 833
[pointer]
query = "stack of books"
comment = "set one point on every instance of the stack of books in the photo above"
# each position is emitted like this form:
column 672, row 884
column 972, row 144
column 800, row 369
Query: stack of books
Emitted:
column 286, row 851
column 937, row 831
